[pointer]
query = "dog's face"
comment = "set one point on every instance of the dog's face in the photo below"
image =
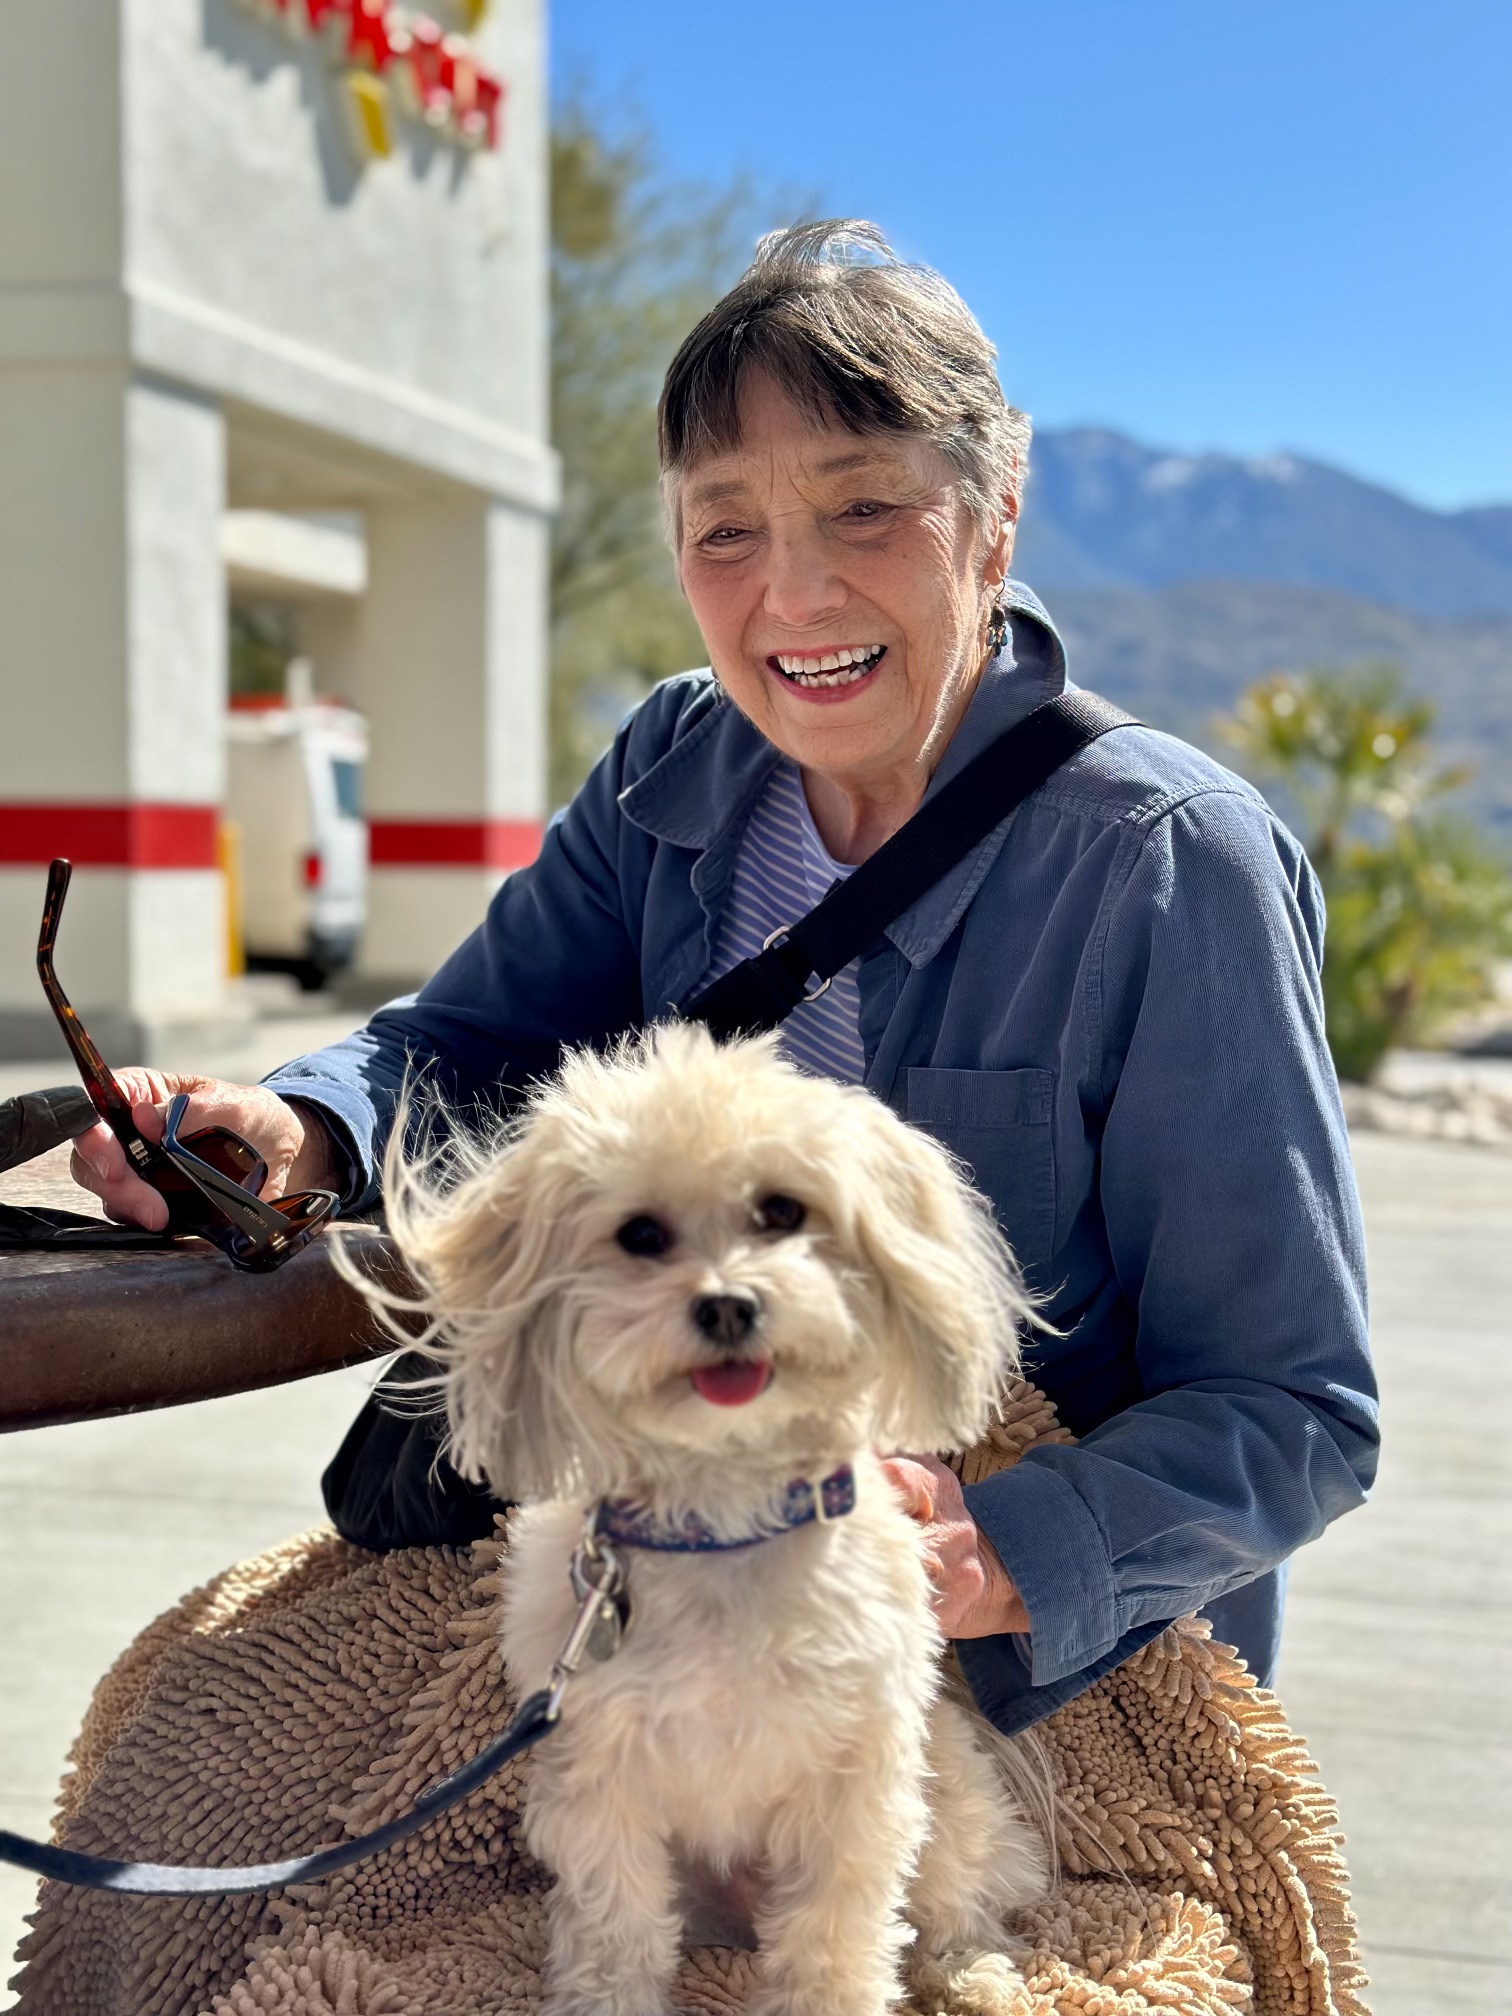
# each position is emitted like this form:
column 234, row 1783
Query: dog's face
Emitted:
column 696, row 1251
column 713, row 1307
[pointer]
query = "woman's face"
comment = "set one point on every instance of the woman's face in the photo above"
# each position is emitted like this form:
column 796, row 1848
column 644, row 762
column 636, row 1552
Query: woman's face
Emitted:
column 840, row 585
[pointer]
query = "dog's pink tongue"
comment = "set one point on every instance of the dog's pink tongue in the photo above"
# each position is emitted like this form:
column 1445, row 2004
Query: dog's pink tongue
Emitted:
column 733, row 1383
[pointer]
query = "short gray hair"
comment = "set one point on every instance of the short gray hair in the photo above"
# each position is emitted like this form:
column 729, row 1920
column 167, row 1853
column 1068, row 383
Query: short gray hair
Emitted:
column 853, row 335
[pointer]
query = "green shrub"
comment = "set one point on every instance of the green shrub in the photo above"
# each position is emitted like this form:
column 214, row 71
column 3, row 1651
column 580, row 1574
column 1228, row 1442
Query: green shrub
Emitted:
column 1419, row 906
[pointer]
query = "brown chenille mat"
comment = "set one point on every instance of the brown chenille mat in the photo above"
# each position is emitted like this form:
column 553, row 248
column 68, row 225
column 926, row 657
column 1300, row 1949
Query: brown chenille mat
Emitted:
column 310, row 1694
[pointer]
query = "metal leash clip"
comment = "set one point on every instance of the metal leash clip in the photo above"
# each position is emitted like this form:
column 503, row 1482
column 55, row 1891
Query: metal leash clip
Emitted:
column 598, row 1582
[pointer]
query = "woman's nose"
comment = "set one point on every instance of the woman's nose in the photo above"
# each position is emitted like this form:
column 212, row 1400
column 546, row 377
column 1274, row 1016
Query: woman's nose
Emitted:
column 802, row 588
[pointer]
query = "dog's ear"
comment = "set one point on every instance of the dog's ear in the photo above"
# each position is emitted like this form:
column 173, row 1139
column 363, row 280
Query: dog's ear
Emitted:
column 477, row 1224
column 951, row 1299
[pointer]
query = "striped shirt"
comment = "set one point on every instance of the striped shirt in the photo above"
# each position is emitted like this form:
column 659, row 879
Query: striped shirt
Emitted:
column 782, row 870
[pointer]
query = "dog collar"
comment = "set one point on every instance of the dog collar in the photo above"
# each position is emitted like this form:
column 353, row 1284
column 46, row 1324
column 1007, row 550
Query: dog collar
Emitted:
column 622, row 1521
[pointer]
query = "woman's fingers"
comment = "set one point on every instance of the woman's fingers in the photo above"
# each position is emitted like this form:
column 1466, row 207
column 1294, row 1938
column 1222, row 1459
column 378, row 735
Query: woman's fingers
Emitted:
column 973, row 1593
column 152, row 1121
column 100, row 1164
column 913, row 1484
column 98, row 1157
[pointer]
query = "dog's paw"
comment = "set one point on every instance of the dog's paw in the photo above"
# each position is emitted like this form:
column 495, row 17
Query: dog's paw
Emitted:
column 778, row 2002
column 970, row 1983
column 604, row 1997
column 613, row 2003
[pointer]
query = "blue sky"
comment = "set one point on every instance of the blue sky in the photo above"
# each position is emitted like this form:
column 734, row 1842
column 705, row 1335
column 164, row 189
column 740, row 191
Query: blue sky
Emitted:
column 1224, row 226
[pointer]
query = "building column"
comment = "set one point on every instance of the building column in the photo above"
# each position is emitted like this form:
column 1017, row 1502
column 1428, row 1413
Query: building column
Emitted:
column 451, row 642
column 113, row 646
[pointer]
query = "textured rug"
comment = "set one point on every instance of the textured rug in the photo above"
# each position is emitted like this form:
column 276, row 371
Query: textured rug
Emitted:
column 310, row 1694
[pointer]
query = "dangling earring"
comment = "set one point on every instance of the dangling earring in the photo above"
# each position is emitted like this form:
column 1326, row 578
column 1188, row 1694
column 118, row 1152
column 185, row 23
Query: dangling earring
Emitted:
column 997, row 628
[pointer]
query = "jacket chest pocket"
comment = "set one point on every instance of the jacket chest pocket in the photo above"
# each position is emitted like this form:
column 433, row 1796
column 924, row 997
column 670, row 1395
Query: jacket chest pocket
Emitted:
column 999, row 1123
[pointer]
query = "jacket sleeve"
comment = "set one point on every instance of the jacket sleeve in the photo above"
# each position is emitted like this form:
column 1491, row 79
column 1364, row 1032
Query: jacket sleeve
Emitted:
column 1234, row 1232
column 554, row 963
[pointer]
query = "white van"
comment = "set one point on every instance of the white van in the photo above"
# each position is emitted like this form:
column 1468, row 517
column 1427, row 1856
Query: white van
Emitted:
column 294, row 789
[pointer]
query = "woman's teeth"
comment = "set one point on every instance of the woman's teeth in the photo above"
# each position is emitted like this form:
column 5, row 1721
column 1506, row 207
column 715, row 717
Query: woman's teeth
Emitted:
column 833, row 668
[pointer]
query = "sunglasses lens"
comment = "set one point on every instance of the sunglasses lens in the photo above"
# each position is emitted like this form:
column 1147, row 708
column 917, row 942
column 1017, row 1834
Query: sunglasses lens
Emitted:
column 189, row 1209
column 228, row 1153
column 303, row 1214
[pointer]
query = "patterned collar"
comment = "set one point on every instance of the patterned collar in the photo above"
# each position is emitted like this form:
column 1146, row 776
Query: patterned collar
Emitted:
column 622, row 1521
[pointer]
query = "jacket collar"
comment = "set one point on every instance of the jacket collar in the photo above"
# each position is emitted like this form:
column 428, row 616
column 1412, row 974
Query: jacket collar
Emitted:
column 707, row 783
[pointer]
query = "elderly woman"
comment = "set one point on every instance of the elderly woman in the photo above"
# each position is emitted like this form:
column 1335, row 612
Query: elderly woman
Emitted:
column 1109, row 1008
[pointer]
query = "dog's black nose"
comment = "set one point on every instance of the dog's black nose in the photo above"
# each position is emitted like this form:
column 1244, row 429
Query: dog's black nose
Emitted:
column 726, row 1319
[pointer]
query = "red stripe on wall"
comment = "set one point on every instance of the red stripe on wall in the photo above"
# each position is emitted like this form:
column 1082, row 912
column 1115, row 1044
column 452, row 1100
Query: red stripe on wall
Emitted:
column 184, row 836
column 453, row 843
column 109, row 836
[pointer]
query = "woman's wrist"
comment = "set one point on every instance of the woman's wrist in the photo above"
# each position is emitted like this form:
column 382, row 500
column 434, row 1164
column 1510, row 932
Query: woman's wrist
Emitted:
column 318, row 1161
column 1002, row 1606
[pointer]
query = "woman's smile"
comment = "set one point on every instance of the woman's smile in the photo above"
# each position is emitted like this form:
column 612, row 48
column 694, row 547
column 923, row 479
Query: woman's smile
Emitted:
column 835, row 673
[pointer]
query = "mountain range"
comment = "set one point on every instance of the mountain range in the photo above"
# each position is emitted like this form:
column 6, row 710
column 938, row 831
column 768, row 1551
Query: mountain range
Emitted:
column 1177, row 579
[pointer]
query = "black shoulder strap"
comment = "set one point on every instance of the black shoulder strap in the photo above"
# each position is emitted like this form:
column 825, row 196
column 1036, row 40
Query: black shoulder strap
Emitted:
column 761, row 992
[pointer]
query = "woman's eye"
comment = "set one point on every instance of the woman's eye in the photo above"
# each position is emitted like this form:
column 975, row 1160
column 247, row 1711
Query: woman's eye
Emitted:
column 864, row 511
column 780, row 1214
column 724, row 535
column 645, row 1237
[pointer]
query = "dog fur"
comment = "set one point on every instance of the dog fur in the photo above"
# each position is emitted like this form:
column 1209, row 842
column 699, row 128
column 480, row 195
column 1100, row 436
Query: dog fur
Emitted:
column 780, row 1718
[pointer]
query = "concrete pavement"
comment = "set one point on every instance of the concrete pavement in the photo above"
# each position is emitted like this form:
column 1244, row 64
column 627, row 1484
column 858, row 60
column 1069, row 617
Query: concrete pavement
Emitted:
column 1399, row 1641
column 1397, row 1664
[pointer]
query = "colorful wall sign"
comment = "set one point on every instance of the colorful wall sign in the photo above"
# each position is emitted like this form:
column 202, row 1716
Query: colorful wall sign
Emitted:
column 396, row 63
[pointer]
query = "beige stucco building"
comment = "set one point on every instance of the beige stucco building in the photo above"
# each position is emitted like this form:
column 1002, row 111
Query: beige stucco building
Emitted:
column 272, row 316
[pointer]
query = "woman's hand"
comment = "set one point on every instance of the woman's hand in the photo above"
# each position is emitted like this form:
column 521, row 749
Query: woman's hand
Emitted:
column 974, row 1596
column 289, row 1138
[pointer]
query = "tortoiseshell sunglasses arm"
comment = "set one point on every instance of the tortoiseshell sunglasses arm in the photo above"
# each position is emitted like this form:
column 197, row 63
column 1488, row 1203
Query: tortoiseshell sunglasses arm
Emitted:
column 110, row 1102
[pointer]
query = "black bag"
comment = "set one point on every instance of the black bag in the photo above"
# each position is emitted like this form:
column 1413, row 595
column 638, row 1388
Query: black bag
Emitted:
column 24, row 1227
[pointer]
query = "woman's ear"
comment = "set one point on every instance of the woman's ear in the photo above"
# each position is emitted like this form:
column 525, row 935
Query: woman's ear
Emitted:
column 998, row 559
column 949, row 1295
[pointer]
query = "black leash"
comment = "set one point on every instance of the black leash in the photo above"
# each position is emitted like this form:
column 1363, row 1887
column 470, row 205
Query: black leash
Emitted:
column 759, row 993
column 168, row 1879
column 598, row 1579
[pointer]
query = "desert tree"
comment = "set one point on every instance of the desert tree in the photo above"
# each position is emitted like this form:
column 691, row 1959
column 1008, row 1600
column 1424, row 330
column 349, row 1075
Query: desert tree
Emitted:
column 636, row 258
column 1419, row 904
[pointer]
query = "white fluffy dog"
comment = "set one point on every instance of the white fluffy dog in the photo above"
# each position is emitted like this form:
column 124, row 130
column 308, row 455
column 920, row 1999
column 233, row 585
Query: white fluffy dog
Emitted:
column 689, row 1277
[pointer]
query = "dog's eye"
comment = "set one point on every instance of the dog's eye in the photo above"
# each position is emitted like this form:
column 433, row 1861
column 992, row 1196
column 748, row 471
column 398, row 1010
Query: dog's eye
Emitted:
column 780, row 1214
column 644, row 1236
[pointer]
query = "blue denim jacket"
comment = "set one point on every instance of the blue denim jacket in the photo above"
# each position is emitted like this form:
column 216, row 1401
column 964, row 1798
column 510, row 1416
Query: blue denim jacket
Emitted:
column 1110, row 1010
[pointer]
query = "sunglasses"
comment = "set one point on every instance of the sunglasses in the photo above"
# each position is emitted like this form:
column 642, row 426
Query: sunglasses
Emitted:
column 210, row 1179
